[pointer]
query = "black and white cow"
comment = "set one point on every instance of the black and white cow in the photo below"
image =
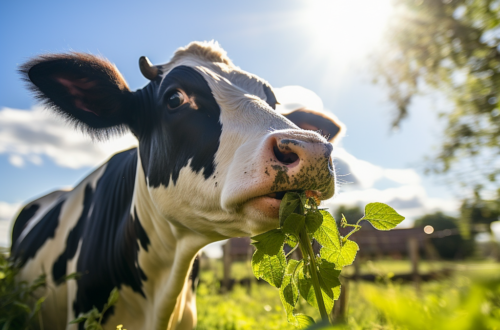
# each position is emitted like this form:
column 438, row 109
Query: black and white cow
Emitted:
column 213, row 161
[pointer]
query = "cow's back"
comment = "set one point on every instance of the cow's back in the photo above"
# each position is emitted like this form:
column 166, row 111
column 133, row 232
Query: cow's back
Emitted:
column 47, row 234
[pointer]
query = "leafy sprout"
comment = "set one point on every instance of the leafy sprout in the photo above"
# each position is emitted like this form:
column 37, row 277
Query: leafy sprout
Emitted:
column 315, row 278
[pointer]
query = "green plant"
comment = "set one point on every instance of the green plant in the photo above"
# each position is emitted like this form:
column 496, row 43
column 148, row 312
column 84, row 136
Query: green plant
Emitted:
column 94, row 317
column 314, row 278
column 18, row 306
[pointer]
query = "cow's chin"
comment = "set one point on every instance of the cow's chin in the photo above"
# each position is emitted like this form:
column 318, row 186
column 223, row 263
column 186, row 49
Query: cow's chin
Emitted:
column 263, row 213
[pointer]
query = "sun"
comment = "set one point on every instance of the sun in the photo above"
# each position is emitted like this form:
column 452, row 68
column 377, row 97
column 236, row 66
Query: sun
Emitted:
column 346, row 30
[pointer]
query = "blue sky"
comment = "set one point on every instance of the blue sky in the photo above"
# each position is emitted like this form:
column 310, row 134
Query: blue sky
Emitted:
column 322, row 47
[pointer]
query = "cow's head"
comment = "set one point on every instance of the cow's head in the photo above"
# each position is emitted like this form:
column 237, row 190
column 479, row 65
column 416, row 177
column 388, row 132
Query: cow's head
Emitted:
column 214, row 154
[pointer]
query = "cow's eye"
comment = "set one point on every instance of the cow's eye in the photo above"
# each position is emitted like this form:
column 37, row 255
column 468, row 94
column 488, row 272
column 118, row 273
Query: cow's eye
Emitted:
column 175, row 99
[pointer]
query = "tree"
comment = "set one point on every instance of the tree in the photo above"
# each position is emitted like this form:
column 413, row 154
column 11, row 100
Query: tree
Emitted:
column 450, row 246
column 452, row 46
column 477, row 214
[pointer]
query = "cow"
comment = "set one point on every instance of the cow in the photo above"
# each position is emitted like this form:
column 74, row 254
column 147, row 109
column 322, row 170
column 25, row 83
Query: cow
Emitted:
column 213, row 161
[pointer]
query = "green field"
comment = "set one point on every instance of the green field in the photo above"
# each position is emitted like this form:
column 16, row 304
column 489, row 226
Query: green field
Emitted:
column 469, row 299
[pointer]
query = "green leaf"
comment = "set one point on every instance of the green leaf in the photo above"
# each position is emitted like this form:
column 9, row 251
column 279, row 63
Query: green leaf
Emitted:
column 38, row 306
column 314, row 219
column 78, row 320
column 303, row 200
column 294, row 224
column 270, row 268
column 341, row 258
column 329, row 278
column 113, row 297
column 2, row 275
column 329, row 285
column 291, row 240
column 289, row 293
column 306, row 290
column 328, row 234
column 270, row 242
column 382, row 216
column 72, row 276
column 304, row 321
column 24, row 307
column 288, row 204
column 6, row 326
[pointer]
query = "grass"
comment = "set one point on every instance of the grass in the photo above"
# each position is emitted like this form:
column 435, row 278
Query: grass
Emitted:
column 469, row 300
column 242, row 309
column 18, row 306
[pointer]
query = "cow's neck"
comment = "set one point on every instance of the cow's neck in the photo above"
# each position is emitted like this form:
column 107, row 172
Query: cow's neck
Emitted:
column 168, row 260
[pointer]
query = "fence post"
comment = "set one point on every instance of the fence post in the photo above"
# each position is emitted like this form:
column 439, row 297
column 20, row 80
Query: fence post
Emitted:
column 251, row 278
column 357, row 269
column 339, row 312
column 414, row 257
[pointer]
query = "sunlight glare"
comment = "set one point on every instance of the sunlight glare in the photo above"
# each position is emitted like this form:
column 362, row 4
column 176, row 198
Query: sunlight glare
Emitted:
column 347, row 29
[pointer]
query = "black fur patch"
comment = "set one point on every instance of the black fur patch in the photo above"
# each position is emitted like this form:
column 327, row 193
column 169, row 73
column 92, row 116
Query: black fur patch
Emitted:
column 24, row 216
column 59, row 268
column 45, row 229
column 110, row 236
column 172, row 138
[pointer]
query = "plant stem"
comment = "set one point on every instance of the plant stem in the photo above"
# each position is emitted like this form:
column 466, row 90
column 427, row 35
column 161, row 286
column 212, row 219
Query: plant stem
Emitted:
column 292, row 250
column 306, row 248
column 356, row 228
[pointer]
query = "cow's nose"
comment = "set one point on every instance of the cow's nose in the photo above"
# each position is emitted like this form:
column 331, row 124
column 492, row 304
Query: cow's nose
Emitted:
column 292, row 152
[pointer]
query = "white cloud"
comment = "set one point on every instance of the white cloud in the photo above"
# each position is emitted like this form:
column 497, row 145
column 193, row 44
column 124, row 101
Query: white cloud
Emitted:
column 411, row 201
column 363, row 174
column 27, row 136
column 403, row 176
column 16, row 160
column 7, row 213
column 295, row 97
column 357, row 186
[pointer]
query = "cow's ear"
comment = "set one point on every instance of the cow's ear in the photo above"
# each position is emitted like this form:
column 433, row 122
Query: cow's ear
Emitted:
column 87, row 90
column 327, row 124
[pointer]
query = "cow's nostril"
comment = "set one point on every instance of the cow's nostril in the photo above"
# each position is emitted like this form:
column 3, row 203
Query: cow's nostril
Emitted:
column 285, row 158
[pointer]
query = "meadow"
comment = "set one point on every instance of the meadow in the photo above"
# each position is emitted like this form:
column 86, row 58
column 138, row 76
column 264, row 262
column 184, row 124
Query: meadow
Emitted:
column 467, row 299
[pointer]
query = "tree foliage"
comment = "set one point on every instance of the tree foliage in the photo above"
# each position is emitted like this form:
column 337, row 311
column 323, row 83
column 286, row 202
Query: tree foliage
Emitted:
column 476, row 215
column 452, row 46
column 450, row 246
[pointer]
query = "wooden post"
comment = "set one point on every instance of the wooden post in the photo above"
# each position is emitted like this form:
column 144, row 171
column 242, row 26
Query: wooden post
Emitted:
column 227, row 266
column 357, row 270
column 251, row 278
column 414, row 257
column 430, row 250
column 339, row 311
